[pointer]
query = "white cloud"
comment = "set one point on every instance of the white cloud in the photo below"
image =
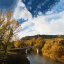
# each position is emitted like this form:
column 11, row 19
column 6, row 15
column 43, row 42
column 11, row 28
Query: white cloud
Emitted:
column 51, row 23
column 21, row 11
column 43, row 25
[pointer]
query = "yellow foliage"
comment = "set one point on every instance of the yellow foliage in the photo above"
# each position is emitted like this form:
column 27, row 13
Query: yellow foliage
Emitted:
column 8, row 15
column 6, row 29
column 54, row 49
column 17, row 44
column 39, row 42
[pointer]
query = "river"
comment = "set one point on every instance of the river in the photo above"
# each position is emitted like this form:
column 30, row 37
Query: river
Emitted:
column 37, row 59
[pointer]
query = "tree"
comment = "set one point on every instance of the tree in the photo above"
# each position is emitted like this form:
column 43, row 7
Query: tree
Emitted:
column 54, row 49
column 7, row 28
column 39, row 42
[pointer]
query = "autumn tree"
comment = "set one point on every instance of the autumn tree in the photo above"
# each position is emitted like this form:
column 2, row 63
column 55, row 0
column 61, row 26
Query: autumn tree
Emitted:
column 39, row 42
column 54, row 49
column 7, row 28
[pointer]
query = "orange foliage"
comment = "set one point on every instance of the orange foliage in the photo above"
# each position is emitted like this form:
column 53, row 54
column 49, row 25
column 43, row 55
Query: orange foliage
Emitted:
column 54, row 49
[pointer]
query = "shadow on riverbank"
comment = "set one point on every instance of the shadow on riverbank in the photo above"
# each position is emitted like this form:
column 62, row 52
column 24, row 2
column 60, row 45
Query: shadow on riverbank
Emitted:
column 15, row 59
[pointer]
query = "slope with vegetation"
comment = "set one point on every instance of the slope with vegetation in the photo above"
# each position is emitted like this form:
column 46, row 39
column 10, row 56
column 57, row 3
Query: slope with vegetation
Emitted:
column 51, row 46
column 54, row 49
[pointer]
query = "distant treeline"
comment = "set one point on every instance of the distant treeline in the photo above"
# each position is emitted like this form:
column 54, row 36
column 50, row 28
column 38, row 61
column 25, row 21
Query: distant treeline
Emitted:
column 42, row 36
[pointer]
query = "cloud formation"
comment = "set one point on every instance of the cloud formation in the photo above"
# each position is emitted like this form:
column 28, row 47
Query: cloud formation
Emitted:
column 21, row 11
column 49, row 24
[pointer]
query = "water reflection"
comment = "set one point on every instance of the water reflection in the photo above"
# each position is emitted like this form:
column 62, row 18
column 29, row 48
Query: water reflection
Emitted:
column 37, row 59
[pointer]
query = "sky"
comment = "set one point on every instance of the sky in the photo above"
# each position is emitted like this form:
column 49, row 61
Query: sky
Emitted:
column 36, row 16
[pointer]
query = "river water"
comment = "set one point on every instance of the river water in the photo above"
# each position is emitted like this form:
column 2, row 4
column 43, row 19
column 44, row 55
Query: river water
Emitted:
column 37, row 59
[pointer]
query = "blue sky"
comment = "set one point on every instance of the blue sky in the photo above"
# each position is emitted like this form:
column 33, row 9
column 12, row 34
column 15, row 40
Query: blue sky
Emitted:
column 34, row 8
column 7, row 4
column 36, row 16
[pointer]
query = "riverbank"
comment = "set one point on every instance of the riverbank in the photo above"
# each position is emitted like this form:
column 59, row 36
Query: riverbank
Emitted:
column 50, row 46
column 13, row 58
